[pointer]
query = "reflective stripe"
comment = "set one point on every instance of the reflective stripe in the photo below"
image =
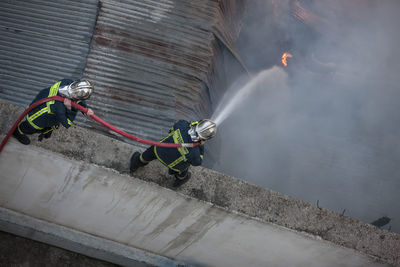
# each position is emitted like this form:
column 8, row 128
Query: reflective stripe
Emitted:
column 69, row 121
column 53, row 92
column 30, row 119
column 51, row 129
column 155, row 148
column 170, row 134
column 35, row 126
column 178, row 139
column 155, row 152
column 175, row 170
column 177, row 161
column 142, row 159
column 187, row 145
column 38, row 113
column 19, row 130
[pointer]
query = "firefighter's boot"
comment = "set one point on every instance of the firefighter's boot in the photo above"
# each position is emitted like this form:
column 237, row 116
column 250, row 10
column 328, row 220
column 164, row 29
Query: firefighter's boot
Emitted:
column 181, row 180
column 22, row 138
column 136, row 162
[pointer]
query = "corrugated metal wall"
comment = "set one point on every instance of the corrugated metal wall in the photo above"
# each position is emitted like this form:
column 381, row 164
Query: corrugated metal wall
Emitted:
column 41, row 42
column 152, row 61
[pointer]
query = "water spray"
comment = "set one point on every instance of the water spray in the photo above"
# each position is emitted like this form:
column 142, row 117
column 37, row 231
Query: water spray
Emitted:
column 231, row 102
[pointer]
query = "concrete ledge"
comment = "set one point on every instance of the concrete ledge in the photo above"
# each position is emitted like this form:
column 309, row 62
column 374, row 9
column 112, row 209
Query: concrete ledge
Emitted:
column 226, row 192
column 79, row 242
column 101, row 202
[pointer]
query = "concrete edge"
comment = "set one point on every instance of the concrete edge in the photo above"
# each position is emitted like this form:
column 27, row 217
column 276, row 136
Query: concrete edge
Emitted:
column 229, row 193
column 79, row 242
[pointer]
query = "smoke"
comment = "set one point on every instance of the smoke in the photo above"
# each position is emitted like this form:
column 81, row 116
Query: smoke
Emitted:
column 326, row 127
column 271, row 82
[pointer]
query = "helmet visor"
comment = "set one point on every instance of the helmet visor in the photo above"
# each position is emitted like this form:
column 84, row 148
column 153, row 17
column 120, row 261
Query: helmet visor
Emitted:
column 206, row 129
column 81, row 89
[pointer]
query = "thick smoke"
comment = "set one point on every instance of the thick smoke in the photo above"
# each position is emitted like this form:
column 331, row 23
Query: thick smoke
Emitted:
column 327, row 127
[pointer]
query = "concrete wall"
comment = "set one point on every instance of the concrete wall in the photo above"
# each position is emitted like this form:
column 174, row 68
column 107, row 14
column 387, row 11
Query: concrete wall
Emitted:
column 77, row 182
column 19, row 251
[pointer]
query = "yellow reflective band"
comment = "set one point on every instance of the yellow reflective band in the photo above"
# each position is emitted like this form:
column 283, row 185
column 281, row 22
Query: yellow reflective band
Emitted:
column 35, row 126
column 194, row 123
column 158, row 157
column 69, row 121
column 53, row 92
column 19, row 130
column 177, row 161
column 155, row 152
column 178, row 139
column 176, row 170
column 201, row 156
column 142, row 159
column 170, row 134
column 30, row 119
column 51, row 129
column 37, row 114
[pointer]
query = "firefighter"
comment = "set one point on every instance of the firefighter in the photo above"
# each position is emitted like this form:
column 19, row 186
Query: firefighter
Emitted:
column 178, row 160
column 45, row 118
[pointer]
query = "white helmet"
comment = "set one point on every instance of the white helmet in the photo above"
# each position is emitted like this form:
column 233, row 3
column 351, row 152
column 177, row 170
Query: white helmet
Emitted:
column 202, row 130
column 78, row 90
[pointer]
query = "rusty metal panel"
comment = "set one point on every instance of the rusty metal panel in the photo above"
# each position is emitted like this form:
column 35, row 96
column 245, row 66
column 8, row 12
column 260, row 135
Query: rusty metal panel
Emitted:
column 41, row 42
column 152, row 61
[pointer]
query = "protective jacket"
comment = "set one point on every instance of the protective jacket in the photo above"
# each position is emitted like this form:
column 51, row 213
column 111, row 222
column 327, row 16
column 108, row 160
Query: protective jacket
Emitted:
column 179, row 159
column 52, row 113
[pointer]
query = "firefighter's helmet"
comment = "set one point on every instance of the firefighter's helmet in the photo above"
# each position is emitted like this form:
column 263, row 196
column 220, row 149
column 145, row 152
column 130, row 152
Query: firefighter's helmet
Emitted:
column 202, row 130
column 78, row 90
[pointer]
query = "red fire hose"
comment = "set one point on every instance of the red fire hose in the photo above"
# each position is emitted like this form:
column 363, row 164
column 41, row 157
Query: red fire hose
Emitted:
column 96, row 118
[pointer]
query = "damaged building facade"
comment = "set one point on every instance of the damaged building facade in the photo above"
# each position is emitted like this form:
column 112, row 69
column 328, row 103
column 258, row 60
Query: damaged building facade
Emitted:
column 152, row 62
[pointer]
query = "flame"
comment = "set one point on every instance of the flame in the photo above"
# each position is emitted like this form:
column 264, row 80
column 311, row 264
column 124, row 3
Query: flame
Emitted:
column 284, row 58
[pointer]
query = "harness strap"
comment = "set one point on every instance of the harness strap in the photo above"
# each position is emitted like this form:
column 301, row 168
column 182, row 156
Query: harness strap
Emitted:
column 52, row 92
column 178, row 139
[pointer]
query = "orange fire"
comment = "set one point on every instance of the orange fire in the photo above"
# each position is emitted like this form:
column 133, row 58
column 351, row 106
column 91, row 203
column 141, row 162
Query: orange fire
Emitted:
column 284, row 58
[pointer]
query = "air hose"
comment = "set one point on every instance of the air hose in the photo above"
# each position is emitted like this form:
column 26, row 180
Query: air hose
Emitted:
column 94, row 117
